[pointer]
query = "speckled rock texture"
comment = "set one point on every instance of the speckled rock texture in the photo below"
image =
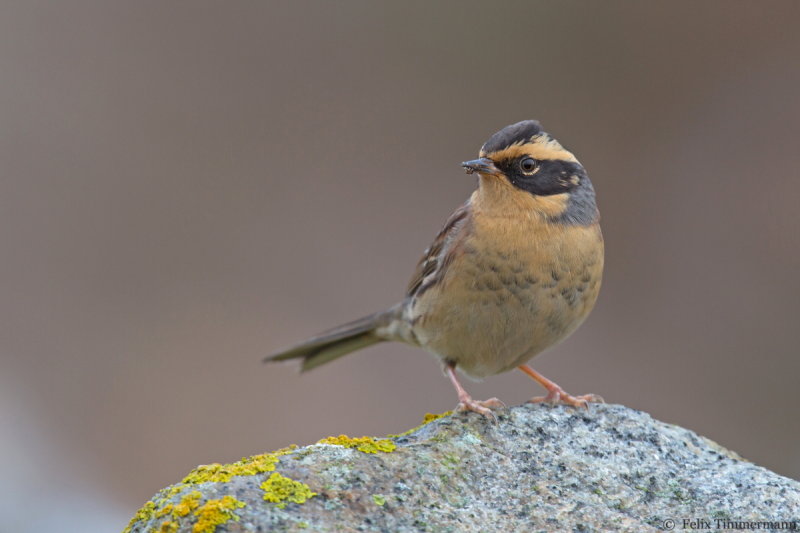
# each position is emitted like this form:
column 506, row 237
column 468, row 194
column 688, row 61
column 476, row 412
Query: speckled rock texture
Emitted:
column 539, row 468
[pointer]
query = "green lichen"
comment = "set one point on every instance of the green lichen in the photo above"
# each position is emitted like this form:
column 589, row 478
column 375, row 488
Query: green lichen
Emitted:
column 362, row 444
column 427, row 419
column 379, row 499
column 440, row 438
column 280, row 489
column 216, row 512
column 451, row 460
column 248, row 466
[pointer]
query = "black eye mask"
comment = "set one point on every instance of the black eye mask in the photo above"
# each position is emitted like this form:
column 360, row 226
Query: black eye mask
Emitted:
column 554, row 176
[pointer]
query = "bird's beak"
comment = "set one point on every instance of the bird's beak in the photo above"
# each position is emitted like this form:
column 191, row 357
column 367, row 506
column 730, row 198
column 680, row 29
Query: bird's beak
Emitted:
column 484, row 165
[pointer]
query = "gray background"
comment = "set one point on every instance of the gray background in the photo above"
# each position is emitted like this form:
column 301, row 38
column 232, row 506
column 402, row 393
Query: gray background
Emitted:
column 187, row 186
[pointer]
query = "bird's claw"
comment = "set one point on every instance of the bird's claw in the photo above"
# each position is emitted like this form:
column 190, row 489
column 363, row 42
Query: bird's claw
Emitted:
column 558, row 396
column 481, row 407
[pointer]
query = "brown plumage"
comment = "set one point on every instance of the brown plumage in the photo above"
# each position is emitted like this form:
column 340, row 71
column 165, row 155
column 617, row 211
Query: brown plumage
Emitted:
column 515, row 270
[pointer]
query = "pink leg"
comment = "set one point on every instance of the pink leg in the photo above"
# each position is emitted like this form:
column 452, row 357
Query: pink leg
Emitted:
column 556, row 394
column 465, row 401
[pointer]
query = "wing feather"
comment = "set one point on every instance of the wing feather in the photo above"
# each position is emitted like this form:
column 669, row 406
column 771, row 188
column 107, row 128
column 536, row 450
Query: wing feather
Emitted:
column 439, row 254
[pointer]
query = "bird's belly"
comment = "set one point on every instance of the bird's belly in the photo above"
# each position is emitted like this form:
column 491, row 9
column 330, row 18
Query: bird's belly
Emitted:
column 496, row 310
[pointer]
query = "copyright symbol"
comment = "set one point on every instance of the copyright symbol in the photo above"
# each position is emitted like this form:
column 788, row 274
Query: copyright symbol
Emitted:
column 669, row 524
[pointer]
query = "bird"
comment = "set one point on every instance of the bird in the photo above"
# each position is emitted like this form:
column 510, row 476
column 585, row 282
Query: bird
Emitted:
column 515, row 270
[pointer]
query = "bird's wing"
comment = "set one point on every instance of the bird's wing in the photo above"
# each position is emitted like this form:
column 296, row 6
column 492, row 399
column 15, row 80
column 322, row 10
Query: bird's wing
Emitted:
column 439, row 254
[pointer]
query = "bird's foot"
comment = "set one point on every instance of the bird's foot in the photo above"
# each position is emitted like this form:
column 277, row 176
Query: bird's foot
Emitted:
column 481, row 407
column 557, row 396
column 465, row 401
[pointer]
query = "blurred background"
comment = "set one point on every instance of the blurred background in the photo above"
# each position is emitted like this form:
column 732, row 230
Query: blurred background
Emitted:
column 186, row 187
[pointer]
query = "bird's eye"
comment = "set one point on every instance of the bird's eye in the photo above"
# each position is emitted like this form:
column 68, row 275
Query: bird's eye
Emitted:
column 528, row 165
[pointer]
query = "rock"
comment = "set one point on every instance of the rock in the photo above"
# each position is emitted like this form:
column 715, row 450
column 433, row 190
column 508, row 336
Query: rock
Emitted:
column 539, row 468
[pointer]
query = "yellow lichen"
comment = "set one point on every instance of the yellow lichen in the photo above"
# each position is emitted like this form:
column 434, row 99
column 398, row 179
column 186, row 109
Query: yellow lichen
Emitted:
column 429, row 417
column 168, row 527
column 142, row 515
column 171, row 491
column 248, row 466
column 161, row 506
column 216, row 512
column 279, row 489
column 188, row 503
column 156, row 509
column 362, row 444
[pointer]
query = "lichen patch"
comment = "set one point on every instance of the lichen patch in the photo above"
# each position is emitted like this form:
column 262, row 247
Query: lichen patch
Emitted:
column 216, row 512
column 362, row 444
column 247, row 466
column 280, row 489
column 427, row 419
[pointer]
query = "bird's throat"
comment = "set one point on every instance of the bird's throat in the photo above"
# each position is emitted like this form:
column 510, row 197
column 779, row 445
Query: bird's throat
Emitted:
column 495, row 196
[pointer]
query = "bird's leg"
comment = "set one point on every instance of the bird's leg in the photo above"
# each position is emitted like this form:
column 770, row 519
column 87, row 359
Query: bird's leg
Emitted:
column 465, row 401
column 556, row 394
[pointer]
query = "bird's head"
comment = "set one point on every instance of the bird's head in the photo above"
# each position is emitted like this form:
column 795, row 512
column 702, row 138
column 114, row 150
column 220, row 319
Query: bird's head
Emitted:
column 522, row 166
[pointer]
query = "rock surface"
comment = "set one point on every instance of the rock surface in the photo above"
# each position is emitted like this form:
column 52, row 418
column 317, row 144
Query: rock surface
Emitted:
column 539, row 468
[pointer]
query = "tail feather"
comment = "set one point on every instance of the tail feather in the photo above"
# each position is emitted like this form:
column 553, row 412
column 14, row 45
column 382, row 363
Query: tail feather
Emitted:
column 336, row 342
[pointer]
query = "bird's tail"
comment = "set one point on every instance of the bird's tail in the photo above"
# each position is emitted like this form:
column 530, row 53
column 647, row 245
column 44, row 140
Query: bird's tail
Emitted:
column 337, row 342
